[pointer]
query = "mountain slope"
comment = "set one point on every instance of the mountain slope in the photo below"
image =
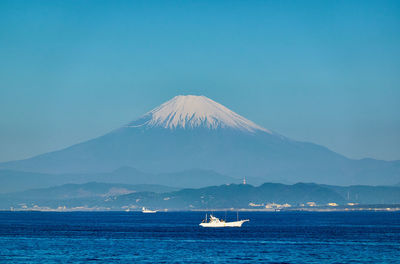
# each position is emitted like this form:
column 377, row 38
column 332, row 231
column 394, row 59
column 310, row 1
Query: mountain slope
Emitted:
column 195, row 132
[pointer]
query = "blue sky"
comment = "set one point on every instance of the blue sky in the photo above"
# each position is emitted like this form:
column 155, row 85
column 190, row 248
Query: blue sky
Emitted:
column 327, row 72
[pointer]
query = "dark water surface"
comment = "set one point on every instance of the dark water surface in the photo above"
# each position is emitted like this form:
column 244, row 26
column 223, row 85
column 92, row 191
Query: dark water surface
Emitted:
column 122, row 237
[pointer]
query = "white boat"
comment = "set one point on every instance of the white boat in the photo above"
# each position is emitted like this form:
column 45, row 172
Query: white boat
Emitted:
column 147, row 211
column 216, row 222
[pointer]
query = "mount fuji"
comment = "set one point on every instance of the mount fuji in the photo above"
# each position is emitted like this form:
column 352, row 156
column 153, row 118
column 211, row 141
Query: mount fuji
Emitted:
column 195, row 132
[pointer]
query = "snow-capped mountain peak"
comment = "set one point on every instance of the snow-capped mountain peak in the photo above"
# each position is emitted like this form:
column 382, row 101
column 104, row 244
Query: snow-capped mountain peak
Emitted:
column 190, row 111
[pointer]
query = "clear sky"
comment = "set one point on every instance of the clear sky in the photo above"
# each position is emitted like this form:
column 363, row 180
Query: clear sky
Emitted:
column 327, row 72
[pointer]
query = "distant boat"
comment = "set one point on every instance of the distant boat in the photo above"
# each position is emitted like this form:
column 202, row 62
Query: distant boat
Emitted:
column 147, row 211
column 216, row 222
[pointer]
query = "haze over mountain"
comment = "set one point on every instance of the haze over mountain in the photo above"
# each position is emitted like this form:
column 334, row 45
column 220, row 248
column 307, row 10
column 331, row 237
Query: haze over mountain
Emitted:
column 190, row 132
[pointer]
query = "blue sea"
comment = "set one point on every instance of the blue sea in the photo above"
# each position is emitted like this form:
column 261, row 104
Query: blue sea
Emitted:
column 134, row 237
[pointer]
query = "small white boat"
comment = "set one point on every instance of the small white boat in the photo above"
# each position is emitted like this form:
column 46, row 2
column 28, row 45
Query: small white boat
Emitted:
column 147, row 211
column 216, row 222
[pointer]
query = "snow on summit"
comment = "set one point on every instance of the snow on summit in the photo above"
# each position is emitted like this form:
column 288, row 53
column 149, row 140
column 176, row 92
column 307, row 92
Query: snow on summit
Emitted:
column 191, row 111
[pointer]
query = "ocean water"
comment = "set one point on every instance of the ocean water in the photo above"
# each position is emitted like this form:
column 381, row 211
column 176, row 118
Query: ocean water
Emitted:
column 133, row 237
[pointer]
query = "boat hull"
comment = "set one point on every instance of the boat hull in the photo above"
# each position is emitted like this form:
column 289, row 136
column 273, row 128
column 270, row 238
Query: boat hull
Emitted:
column 224, row 224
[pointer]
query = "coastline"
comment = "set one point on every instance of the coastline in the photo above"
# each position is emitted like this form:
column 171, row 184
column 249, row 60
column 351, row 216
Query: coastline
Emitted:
column 359, row 208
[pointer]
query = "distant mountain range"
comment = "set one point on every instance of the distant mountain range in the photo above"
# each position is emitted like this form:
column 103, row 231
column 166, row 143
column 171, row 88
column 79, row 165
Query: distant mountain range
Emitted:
column 94, row 196
column 14, row 181
column 77, row 192
column 194, row 132
column 240, row 196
